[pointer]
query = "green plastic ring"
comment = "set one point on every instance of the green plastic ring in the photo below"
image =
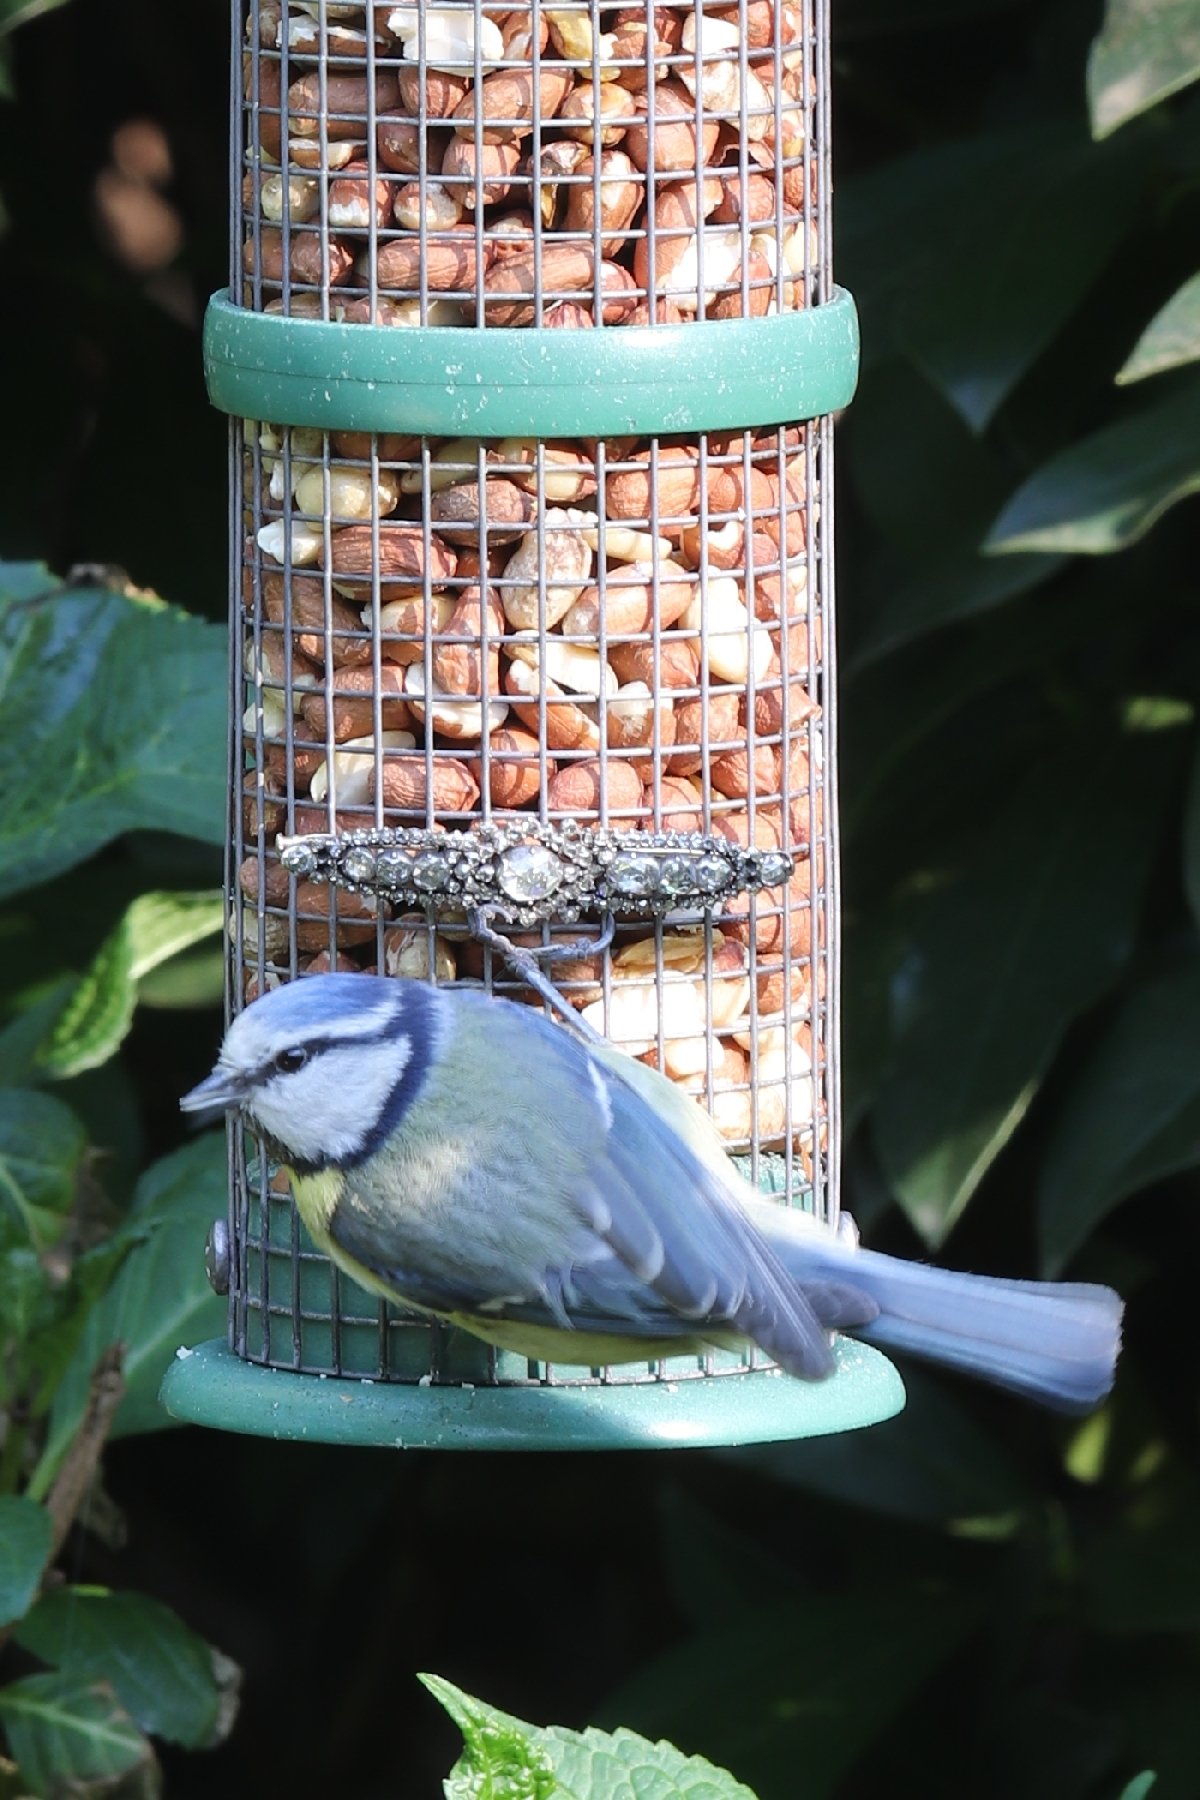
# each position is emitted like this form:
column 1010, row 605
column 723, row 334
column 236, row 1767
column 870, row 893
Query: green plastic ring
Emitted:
column 212, row 1386
column 617, row 381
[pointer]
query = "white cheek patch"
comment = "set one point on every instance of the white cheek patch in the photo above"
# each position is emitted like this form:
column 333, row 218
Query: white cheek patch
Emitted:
column 326, row 1111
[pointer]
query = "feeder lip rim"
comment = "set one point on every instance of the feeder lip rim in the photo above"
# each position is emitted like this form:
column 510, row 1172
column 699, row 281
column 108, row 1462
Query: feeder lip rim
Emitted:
column 210, row 1385
column 653, row 380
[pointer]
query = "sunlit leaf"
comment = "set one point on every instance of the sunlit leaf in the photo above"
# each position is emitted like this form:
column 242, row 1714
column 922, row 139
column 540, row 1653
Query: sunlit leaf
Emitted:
column 1170, row 339
column 155, row 928
column 505, row 1757
column 1146, row 50
column 1107, row 490
column 20, row 12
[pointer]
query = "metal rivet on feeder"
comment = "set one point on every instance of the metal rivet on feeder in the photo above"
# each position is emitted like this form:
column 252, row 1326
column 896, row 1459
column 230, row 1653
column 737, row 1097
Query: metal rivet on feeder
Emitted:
column 530, row 347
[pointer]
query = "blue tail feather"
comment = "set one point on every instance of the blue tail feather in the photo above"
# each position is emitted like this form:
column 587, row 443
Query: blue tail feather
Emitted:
column 1055, row 1342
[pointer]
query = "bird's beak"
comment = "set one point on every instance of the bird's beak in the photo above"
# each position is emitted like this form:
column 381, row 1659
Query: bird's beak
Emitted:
column 218, row 1091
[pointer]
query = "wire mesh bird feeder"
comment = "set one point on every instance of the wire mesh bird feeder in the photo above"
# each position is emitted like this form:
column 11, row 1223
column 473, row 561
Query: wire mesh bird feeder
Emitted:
column 530, row 349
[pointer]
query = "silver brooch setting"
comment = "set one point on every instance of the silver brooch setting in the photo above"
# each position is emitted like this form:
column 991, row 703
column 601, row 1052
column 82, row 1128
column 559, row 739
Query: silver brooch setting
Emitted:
column 525, row 872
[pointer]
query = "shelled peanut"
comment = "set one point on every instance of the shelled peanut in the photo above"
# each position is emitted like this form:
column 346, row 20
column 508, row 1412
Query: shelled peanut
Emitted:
column 660, row 169
column 444, row 631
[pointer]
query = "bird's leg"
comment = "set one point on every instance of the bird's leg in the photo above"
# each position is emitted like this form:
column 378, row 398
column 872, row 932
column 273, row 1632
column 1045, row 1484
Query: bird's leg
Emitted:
column 578, row 947
column 524, row 961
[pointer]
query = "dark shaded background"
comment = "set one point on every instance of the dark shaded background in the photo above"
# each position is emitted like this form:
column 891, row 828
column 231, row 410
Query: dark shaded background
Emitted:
column 1060, row 1655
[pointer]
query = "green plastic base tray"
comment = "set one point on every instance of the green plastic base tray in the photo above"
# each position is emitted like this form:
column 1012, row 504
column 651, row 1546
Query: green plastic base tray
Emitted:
column 618, row 381
column 212, row 1386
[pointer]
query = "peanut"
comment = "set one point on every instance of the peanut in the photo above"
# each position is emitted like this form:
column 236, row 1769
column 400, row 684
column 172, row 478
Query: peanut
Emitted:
column 674, row 131
column 461, row 668
column 514, row 767
column 634, row 599
column 595, row 789
column 352, row 702
column 508, row 101
column 314, row 105
column 403, row 785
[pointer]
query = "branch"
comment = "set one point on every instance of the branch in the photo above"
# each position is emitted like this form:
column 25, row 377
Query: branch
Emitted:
column 70, row 1486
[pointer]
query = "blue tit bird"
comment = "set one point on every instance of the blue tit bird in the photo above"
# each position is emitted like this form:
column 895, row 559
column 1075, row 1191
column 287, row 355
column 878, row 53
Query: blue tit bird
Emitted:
column 465, row 1156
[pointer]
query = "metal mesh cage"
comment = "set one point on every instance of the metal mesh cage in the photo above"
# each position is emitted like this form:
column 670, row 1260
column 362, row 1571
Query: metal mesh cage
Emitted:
column 525, row 626
column 619, row 639
column 567, row 165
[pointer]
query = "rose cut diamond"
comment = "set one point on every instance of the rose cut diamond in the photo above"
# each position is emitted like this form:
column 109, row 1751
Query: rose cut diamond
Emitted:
column 678, row 874
column 358, row 864
column 299, row 859
column 430, row 873
column 774, row 867
column 711, row 873
column 633, row 876
column 528, row 873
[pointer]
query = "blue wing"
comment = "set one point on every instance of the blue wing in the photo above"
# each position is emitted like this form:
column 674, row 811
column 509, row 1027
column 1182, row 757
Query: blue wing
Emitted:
column 602, row 1219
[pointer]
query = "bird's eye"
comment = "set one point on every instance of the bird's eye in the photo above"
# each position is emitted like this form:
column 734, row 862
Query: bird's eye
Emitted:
column 288, row 1061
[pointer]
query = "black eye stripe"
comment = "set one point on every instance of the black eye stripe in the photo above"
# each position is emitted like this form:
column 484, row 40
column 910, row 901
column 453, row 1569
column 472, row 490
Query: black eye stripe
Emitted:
column 313, row 1047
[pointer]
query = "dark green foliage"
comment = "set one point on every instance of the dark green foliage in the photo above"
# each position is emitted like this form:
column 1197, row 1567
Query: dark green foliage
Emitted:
column 972, row 1599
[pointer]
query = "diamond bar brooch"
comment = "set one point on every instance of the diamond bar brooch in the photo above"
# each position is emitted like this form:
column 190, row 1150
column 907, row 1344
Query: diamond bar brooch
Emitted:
column 527, row 872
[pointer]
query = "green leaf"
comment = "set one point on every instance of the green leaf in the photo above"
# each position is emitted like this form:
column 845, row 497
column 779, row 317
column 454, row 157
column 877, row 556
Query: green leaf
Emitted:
column 1137, row 1580
column 26, row 1536
column 1107, row 490
column 42, row 1146
column 66, row 1734
column 1191, row 839
column 865, row 18
column 160, row 1300
column 969, row 256
column 1003, row 959
column 155, row 928
column 162, row 1673
column 24, row 1285
column 1022, row 262
column 114, row 720
column 1170, row 339
column 932, row 1466
column 50, row 1346
column 19, row 12
column 1140, row 1786
column 954, row 584
column 934, row 508
column 1145, row 50
column 716, row 1571
column 505, row 1759
column 1131, row 1116
column 22, row 1039
column 809, row 1689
